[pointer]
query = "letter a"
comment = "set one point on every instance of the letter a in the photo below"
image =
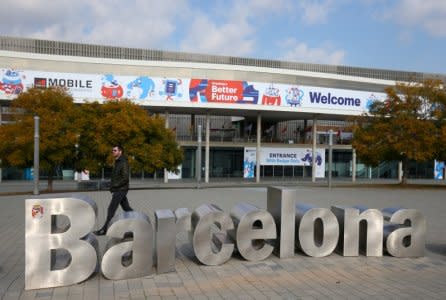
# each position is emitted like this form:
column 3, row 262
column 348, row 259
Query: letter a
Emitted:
column 126, row 258
column 403, row 240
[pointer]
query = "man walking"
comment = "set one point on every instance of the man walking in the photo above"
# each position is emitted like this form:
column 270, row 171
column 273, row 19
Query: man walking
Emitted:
column 119, row 187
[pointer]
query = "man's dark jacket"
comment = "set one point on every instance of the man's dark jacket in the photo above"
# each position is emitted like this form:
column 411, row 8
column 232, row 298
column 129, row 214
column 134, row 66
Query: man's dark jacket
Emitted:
column 120, row 175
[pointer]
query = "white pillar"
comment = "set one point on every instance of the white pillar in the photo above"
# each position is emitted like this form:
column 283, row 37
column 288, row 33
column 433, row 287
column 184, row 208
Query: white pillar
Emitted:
column 400, row 171
column 313, row 163
column 1, row 111
column 198, row 155
column 259, row 134
column 353, row 165
column 330, row 156
column 206, row 151
column 166, row 178
column 444, row 173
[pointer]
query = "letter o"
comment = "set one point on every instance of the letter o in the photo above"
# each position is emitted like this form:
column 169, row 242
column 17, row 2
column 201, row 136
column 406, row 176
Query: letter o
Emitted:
column 327, row 236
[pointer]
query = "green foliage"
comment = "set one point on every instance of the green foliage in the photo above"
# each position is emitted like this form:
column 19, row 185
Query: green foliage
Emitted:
column 57, row 114
column 146, row 141
column 408, row 125
column 85, row 134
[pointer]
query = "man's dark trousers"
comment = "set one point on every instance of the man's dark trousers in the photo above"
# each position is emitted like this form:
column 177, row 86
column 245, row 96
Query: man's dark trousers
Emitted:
column 118, row 198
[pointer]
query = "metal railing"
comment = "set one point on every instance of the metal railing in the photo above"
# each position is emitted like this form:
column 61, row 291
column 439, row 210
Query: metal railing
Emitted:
column 90, row 50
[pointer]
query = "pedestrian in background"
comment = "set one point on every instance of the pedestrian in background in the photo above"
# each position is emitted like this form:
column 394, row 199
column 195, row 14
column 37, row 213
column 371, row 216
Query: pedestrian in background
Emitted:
column 119, row 187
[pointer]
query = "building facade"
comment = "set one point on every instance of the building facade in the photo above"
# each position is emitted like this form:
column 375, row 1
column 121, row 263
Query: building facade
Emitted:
column 234, row 117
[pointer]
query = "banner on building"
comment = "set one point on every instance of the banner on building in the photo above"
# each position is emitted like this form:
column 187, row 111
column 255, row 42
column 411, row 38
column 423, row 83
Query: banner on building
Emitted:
column 283, row 157
column 439, row 169
column 148, row 90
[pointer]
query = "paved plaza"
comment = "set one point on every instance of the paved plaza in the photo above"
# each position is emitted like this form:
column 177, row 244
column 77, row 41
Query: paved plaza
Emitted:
column 300, row 277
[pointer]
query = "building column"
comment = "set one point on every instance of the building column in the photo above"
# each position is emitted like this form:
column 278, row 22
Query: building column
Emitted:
column 192, row 127
column 353, row 165
column 259, row 135
column 313, row 163
column 400, row 171
column 206, row 151
column 1, row 111
column 166, row 124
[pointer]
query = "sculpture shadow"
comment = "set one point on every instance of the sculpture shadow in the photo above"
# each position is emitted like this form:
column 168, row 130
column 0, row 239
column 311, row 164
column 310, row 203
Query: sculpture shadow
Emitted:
column 437, row 248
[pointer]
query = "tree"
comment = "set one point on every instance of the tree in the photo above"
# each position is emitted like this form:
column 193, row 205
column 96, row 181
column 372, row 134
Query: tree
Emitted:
column 58, row 115
column 146, row 141
column 83, row 135
column 436, row 91
column 408, row 125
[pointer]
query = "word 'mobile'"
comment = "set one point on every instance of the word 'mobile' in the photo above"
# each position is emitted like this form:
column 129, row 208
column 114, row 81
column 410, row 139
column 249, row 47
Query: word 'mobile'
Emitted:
column 61, row 250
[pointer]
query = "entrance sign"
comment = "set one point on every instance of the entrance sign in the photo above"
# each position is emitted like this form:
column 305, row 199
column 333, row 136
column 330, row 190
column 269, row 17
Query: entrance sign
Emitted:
column 61, row 250
column 296, row 156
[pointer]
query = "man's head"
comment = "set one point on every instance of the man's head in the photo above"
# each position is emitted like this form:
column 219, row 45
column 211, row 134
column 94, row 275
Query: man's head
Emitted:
column 117, row 151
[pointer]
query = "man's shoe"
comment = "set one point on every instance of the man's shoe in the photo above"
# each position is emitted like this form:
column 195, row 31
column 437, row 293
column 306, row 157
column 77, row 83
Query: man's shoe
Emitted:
column 100, row 232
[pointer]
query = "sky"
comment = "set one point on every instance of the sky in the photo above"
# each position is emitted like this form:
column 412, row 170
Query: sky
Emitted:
column 407, row 35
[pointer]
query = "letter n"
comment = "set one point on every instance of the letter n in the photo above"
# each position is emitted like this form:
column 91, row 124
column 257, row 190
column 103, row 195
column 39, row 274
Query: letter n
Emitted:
column 360, row 228
column 59, row 248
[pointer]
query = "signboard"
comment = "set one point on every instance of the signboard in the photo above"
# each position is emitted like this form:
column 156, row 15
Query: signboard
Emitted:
column 438, row 169
column 283, row 157
column 60, row 253
column 148, row 90
column 173, row 175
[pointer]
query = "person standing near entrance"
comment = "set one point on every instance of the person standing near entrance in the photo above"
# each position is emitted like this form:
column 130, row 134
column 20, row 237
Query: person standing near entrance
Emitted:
column 119, row 187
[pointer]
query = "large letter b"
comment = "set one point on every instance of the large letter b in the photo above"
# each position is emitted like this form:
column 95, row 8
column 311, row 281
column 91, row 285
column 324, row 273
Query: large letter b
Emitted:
column 59, row 248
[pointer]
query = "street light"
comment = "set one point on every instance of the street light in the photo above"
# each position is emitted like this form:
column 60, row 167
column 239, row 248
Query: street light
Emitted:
column 330, row 155
column 198, row 155
column 36, row 155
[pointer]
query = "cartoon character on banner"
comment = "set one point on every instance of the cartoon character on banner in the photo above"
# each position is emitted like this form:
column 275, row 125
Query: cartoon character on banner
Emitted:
column 248, row 169
column 250, row 94
column 438, row 172
column 140, row 88
column 370, row 100
column 197, row 90
column 172, row 88
column 11, row 82
column 294, row 96
column 308, row 158
column 271, row 96
column 111, row 89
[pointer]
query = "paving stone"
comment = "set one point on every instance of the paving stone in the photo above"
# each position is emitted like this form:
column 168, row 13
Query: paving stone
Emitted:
column 299, row 277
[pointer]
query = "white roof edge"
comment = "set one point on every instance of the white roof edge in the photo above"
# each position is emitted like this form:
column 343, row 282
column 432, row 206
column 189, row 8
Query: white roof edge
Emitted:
column 171, row 64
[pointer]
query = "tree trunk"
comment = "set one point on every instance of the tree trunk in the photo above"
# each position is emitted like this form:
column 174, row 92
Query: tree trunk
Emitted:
column 405, row 171
column 50, row 181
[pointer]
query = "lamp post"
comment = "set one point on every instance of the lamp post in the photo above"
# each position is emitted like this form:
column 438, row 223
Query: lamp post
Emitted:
column 198, row 155
column 76, row 164
column 36, row 155
column 330, row 156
